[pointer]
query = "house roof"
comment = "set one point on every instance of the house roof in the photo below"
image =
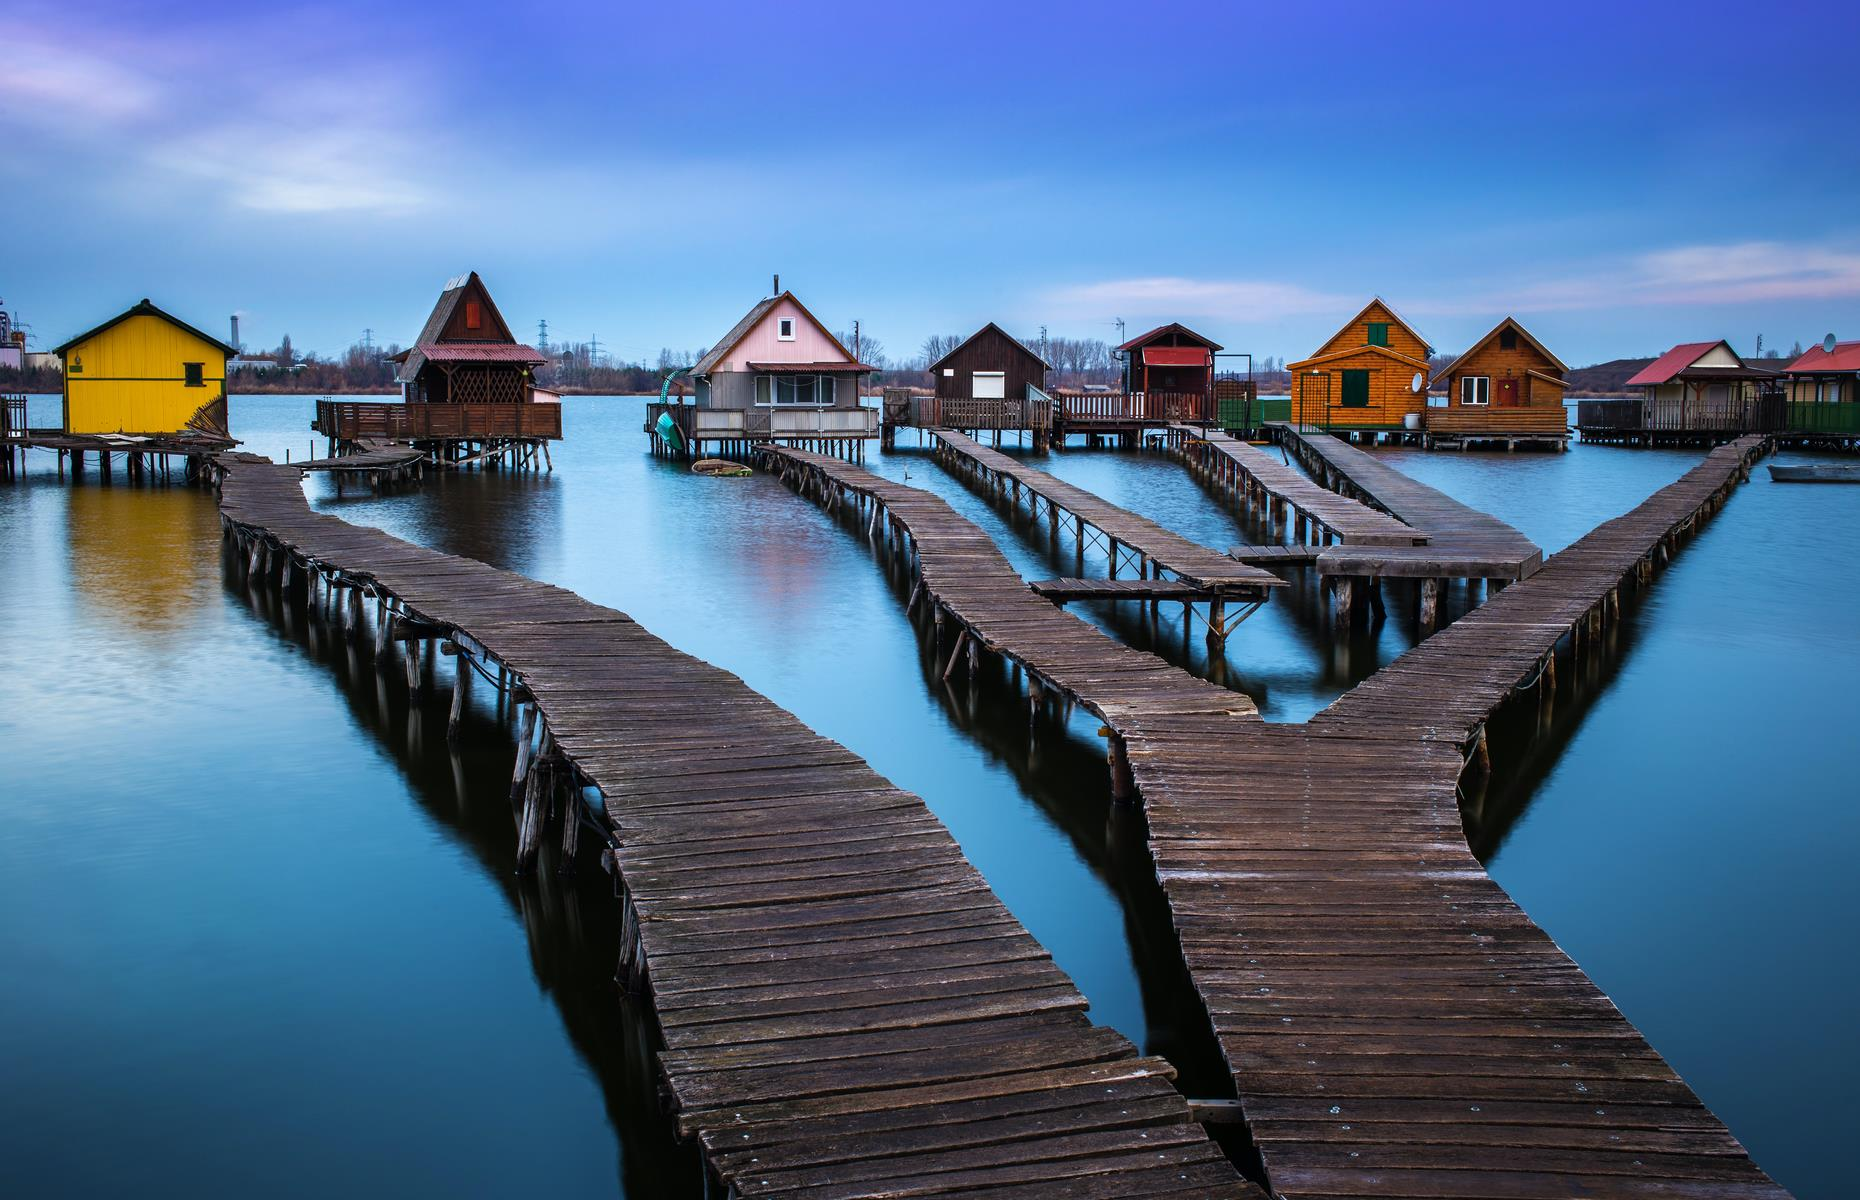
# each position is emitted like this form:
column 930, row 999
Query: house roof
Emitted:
column 1018, row 344
column 1173, row 326
column 1667, row 367
column 1393, row 315
column 145, row 309
column 481, row 352
column 449, row 300
column 1846, row 358
column 1352, row 351
column 1522, row 332
column 750, row 320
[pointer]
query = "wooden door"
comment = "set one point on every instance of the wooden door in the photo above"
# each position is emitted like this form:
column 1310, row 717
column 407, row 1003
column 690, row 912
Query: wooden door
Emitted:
column 1507, row 393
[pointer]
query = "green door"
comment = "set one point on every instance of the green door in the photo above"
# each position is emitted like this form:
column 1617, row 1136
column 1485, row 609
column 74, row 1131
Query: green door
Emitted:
column 1356, row 389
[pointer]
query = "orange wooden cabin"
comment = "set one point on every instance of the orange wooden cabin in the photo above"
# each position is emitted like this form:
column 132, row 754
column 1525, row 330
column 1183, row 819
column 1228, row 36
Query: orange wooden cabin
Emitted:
column 1507, row 388
column 1363, row 378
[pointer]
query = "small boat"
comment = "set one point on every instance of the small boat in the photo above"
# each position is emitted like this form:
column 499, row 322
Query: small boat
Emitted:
column 1815, row 473
column 669, row 432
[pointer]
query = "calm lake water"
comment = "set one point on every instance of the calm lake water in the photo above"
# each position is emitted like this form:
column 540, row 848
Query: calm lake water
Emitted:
column 261, row 930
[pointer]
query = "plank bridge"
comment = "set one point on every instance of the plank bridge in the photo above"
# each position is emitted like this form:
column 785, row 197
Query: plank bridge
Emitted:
column 847, row 1009
column 1368, row 521
column 1395, row 1025
column 1168, row 565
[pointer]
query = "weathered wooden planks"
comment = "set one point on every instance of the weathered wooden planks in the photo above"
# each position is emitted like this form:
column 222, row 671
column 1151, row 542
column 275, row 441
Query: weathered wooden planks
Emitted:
column 1395, row 1025
column 848, row 1010
column 1155, row 547
column 1323, row 515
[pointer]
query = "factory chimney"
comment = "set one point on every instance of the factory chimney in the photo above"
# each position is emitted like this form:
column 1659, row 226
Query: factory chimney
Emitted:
column 235, row 333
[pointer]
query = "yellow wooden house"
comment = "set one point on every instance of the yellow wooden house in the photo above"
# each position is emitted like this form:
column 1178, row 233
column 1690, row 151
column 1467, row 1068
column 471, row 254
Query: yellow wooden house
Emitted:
column 145, row 372
column 1364, row 376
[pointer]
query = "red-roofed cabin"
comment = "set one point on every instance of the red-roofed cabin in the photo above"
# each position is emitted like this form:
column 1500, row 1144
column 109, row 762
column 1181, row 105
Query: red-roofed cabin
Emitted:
column 1823, row 387
column 1171, row 359
column 465, row 381
column 1701, row 385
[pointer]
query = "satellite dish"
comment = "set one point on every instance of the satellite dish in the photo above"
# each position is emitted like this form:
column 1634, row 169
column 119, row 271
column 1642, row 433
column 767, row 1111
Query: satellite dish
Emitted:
column 1419, row 382
column 1827, row 344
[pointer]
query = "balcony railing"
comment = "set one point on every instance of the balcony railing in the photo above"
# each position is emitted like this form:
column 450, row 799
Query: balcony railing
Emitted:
column 1747, row 415
column 1808, row 416
column 351, row 420
column 1085, row 409
column 765, row 422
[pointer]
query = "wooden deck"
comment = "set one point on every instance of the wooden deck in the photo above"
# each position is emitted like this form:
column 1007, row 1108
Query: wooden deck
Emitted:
column 1395, row 1025
column 1317, row 514
column 1124, row 534
column 1472, row 536
column 847, row 1009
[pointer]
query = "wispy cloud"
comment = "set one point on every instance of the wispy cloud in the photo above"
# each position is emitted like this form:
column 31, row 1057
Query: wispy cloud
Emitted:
column 1171, row 297
column 197, row 106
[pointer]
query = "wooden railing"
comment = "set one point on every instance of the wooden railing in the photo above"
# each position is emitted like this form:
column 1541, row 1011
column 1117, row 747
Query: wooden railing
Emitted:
column 763, row 422
column 1084, row 409
column 1500, row 418
column 1693, row 414
column 15, row 417
column 966, row 412
column 352, row 420
column 1808, row 416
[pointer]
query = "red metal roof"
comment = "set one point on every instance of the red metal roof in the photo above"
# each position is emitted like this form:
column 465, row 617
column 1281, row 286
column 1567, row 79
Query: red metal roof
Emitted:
column 813, row 368
column 1846, row 357
column 481, row 352
column 1173, row 326
column 1663, row 368
column 1175, row 356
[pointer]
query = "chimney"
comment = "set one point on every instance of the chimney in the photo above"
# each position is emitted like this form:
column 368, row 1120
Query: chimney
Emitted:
column 777, row 288
column 235, row 332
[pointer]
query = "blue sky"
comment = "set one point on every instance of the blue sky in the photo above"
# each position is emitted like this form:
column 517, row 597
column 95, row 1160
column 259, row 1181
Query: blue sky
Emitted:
column 1620, row 176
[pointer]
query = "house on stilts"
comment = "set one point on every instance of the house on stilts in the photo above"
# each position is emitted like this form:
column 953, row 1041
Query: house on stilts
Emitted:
column 1507, row 389
column 1370, row 378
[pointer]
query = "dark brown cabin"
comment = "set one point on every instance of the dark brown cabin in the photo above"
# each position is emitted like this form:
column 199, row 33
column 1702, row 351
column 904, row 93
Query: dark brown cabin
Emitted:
column 466, row 354
column 989, row 365
column 467, row 383
column 1170, row 359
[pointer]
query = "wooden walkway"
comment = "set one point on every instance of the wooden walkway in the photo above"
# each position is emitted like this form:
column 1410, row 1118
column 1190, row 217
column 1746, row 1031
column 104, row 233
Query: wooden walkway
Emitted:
column 1395, row 1025
column 848, row 1010
column 1318, row 516
column 1471, row 535
column 1125, row 533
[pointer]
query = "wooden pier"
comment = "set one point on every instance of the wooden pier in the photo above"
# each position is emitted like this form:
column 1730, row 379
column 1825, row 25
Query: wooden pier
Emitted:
column 1126, row 538
column 847, row 1009
column 1395, row 1025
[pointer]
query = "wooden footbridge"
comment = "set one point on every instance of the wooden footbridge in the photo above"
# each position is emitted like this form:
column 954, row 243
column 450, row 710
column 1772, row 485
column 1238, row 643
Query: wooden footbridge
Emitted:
column 847, row 1009
column 1417, row 533
column 1395, row 1025
column 1168, row 565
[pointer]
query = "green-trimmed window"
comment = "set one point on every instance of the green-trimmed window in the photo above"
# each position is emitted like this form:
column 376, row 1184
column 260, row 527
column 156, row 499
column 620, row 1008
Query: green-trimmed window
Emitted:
column 196, row 374
column 1378, row 333
column 1356, row 388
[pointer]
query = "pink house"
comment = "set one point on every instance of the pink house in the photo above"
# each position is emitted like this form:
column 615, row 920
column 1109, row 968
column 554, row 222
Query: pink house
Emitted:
column 778, row 375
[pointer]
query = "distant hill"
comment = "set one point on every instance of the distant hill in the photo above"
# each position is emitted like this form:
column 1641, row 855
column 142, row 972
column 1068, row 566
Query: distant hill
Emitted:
column 1604, row 379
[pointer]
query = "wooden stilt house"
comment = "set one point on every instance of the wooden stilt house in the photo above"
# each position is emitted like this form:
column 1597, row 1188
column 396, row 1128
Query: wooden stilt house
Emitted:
column 145, row 373
column 1363, row 378
column 468, row 388
column 1507, row 388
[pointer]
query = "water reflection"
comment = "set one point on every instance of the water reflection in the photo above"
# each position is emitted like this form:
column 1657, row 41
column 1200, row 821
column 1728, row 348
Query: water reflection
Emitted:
column 131, row 556
column 571, row 924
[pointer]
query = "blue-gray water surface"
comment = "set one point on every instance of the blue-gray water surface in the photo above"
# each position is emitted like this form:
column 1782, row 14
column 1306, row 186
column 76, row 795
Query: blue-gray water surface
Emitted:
column 261, row 926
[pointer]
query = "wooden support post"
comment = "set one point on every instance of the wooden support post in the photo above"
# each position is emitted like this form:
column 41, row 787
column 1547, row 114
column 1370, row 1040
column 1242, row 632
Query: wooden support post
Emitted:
column 1342, row 598
column 526, row 724
column 461, row 679
column 1430, row 604
column 571, row 825
column 529, row 828
column 1123, row 783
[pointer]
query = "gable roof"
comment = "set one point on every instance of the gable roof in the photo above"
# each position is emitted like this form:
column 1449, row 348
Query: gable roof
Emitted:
column 750, row 320
column 1352, row 351
column 1016, row 342
column 1522, row 332
column 1662, row 369
column 1173, row 326
column 145, row 309
column 1846, row 357
column 1375, row 301
column 448, row 304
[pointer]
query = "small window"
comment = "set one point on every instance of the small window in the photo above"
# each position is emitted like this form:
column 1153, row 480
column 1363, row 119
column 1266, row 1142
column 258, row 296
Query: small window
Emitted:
column 474, row 315
column 949, row 372
column 1378, row 333
column 784, row 329
column 196, row 374
column 763, row 386
column 1507, row 339
column 988, row 385
column 1475, row 390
